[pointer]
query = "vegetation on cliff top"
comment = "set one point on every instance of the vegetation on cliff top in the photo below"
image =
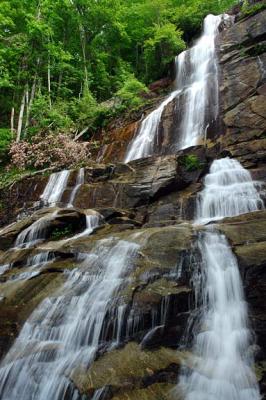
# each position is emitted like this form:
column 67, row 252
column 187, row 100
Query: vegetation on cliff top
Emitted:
column 61, row 61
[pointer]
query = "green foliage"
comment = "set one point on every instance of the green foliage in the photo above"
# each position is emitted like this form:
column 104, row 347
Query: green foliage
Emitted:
column 161, row 49
column 190, row 162
column 5, row 140
column 87, row 112
column 7, row 177
column 130, row 92
column 59, row 233
column 43, row 116
column 67, row 58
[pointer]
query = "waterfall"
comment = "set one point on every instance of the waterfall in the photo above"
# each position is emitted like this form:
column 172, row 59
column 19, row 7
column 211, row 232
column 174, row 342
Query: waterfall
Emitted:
column 200, row 85
column 35, row 233
column 79, row 182
column 34, row 265
column 197, row 83
column 92, row 222
column 55, row 187
column 144, row 143
column 221, row 364
column 229, row 190
column 65, row 331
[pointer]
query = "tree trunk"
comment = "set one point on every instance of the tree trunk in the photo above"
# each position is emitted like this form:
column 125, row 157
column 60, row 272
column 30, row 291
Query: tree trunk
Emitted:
column 12, row 121
column 29, row 104
column 81, row 133
column 21, row 114
column 49, row 82
column 83, row 46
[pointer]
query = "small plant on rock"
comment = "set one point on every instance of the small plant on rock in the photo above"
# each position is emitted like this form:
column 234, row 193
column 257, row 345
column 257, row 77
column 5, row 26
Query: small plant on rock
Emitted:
column 190, row 162
column 59, row 233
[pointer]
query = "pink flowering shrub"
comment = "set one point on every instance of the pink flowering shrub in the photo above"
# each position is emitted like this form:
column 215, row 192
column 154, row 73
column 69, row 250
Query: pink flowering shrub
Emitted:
column 55, row 150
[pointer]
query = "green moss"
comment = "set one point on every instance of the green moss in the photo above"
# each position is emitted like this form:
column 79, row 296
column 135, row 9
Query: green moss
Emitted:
column 248, row 10
column 158, row 391
column 124, row 367
column 191, row 162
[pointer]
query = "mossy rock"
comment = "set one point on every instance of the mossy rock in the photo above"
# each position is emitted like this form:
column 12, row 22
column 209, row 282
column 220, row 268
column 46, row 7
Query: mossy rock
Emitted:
column 246, row 228
column 253, row 254
column 158, row 391
column 125, row 368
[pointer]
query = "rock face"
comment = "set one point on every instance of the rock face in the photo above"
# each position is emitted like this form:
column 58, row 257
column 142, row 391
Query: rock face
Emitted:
column 243, row 80
column 149, row 202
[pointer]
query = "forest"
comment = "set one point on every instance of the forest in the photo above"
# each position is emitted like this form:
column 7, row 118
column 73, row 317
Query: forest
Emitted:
column 132, row 200
column 69, row 66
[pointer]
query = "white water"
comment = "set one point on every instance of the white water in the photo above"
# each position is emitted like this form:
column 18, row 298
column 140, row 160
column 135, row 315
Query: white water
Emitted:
column 197, row 82
column 229, row 190
column 79, row 182
column 222, row 357
column 144, row 143
column 200, row 85
column 35, row 233
column 55, row 187
column 65, row 331
column 34, row 266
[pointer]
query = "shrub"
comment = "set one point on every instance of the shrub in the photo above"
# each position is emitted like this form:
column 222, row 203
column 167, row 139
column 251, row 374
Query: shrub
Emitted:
column 57, row 150
column 59, row 233
column 130, row 92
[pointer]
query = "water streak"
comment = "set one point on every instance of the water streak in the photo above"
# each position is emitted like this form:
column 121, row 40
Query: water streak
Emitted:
column 36, row 232
column 65, row 331
column 144, row 143
column 79, row 181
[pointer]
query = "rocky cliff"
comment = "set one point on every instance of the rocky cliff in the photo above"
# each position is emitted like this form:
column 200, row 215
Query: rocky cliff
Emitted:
column 152, row 203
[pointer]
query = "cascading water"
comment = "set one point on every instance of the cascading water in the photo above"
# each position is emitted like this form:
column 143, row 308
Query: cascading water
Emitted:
column 34, row 265
column 145, row 141
column 200, row 85
column 229, row 190
column 55, row 187
column 197, row 83
column 79, row 182
column 92, row 221
column 222, row 356
column 35, row 232
column 65, row 331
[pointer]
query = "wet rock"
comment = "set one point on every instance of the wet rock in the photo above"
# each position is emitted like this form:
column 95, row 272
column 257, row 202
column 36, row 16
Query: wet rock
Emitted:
column 242, row 93
column 19, row 196
column 144, row 181
column 244, row 32
column 129, row 369
column 241, row 79
column 66, row 221
column 119, row 139
column 162, row 391
column 246, row 228
column 19, row 299
column 160, row 84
